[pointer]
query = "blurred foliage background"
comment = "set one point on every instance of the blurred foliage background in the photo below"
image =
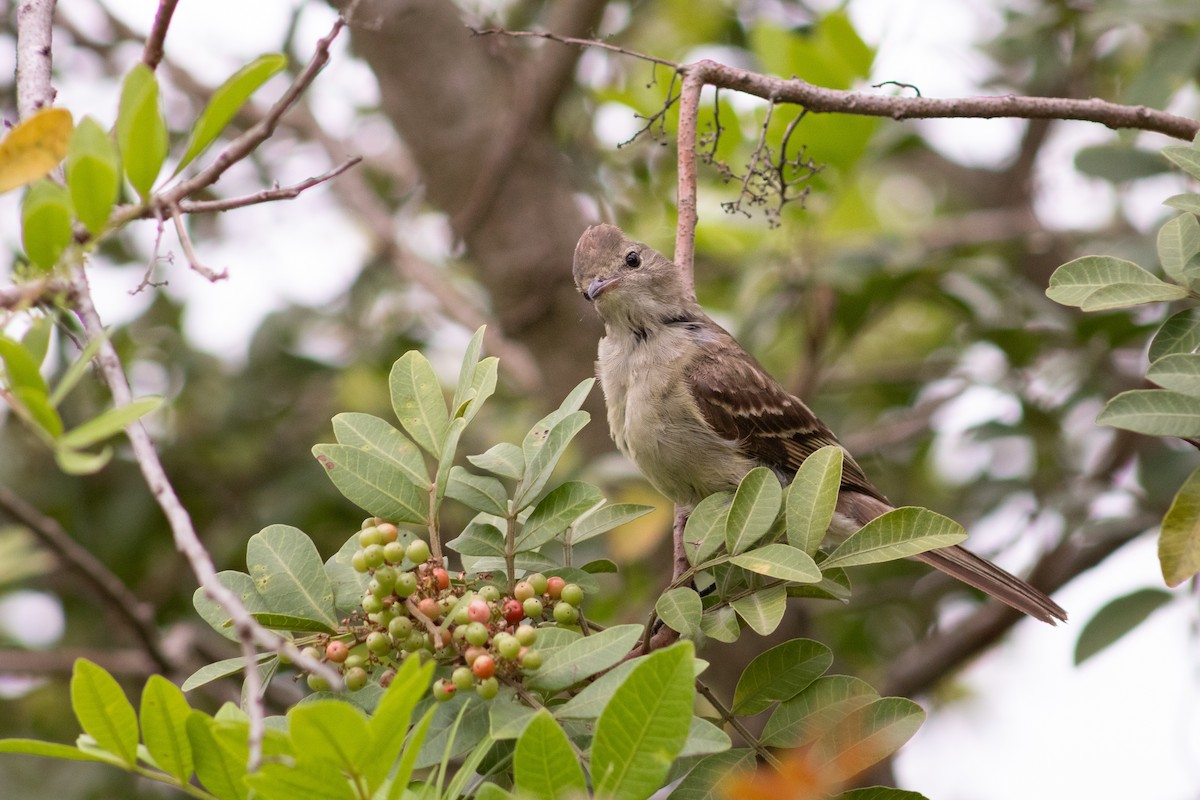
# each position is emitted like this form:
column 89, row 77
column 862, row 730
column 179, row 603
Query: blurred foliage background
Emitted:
column 902, row 295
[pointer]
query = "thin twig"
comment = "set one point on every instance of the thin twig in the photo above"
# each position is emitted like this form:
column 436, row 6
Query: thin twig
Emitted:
column 91, row 571
column 554, row 37
column 189, row 252
column 35, row 31
column 152, row 54
column 266, row 195
column 727, row 716
column 42, row 291
column 147, row 280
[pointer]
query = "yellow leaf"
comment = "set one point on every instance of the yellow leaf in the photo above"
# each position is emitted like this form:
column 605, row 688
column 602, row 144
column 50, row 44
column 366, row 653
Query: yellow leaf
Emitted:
column 34, row 147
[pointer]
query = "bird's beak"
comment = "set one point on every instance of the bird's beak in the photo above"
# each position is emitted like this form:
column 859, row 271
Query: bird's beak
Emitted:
column 598, row 286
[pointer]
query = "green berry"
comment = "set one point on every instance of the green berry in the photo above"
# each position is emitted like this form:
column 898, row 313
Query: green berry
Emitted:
column 532, row 608
column 373, row 555
column 538, row 581
column 443, row 690
column 523, row 591
column 354, row 660
column 489, row 593
column 526, row 634
column 317, row 683
column 477, row 634
column 463, row 678
column 369, row 522
column 399, row 628
column 417, row 552
column 460, row 617
column 372, row 604
column 393, row 552
column 386, row 575
column 379, row 642
column 406, row 584
column 356, row 678
column 531, row 659
column 313, row 652
column 572, row 593
column 370, row 536
column 487, row 689
column 507, row 645
column 359, row 561
column 565, row 613
column 414, row 641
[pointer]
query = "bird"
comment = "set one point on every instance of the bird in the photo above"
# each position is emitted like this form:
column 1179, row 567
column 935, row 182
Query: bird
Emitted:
column 695, row 412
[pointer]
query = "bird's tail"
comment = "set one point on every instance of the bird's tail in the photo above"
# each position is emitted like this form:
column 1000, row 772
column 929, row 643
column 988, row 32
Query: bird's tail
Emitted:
column 960, row 563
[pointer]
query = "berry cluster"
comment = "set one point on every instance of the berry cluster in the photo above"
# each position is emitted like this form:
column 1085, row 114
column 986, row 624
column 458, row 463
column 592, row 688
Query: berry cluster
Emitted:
column 412, row 606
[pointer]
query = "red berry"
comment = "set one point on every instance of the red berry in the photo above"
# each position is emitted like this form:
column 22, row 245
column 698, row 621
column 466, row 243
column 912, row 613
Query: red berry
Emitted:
column 554, row 586
column 337, row 651
column 441, row 578
column 513, row 611
column 430, row 608
column 484, row 667
column 479, row 611
column 473, row 653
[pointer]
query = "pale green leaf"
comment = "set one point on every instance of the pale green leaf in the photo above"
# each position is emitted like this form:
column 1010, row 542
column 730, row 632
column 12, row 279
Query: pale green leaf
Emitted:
column 812, row 497
column 36, row 747
column 780, row 674
column 1184, row 202
column 1185, row 157
column 1179, row 541
column 704, row 533
column 389, row 722
column 225, row 102
column 897, row 534
column 754, row 509
column 163, row 717
column 542, row 448
column 141, row 130
column 478, row 539
column 763, row 610
column 242, row 585
column 680, row 609
column 780, row 561
column 645, row 726
column 221, row 669
column 1178, row 241
column 74, row 373
column 1179, row 334
column 306, row 780
column 866, row 736
column 418, row 403
column 559, row 508
column 584, row 658
column 290, row 622
column 373, row 483
column 721, row 624
column 347, row 582
column 606, row 518
column 466, row 372
column 93, row 174
column 220, row 751
column 409, row 755
column 1123, row 295
column 289, row 574
column 504, row 459
column 591, row 702
column 376, row 436
column 706, row 780
column 477, row 492
column 703, row 739
column 75, row 462
column 103, row 710
column 1179, row 372
column 1155, row 412
column 330, row 730
column 1121, row 283
column 544, row 765
column 508, row 717
column 108, row 423
column 815, row 710
column 1117, row 618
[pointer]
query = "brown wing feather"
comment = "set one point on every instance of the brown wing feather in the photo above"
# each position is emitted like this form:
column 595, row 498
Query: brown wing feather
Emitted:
column 742, row 402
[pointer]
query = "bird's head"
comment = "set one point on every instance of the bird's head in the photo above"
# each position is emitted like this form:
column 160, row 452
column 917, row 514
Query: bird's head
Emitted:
column 630, row 283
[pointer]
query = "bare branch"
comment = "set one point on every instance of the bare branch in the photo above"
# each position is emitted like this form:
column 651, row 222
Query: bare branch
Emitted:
column 153, row 52
column 91, row 571
column 35, row 30
column 189, row 252
column 685, row 231
column 554, row 37
column 266, row 195
column 43, row 291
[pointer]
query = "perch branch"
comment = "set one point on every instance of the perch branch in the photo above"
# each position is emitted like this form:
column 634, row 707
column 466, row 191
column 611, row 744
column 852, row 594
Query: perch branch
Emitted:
column 35, row 31
column 153, row 52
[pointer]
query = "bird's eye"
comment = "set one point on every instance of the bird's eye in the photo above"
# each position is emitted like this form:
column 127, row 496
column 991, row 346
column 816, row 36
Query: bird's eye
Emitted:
column 632, row 259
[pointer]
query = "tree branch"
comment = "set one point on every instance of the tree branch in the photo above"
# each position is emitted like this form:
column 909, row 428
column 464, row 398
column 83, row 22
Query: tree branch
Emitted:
column 266, row 195
column 153, row 52
column 35, row 31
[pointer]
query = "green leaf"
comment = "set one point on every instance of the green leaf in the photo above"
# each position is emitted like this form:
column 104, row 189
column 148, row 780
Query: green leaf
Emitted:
column 780, row 561
column 74, row 462
column 574, row 399
column 754, row 509
column 93, row 174
column 373, row 483
column 780, row 674
column 897, row 534
column 583, row 658
column 705, row 780
column 1179, row 372
column 542, row 448
column 1179, row 334
column 46, row 223
column 348, row 583
column 466, row 373
column 36, row 339
column 241, row 585
column 377, row 437
column 308, row 780
column 454, row 736
column 446, row 461
column 704, row 738
column 289, row 574
column 591, row 702
column 812, row 497
column 141, row 130
column 815, row 710
column 1155, row 412
column 880, row 793
column 74, row 373
column 1118, row 163
column 418, row 403
column 103, row 711
column 229, row 97
column 108, row 423
column 21, row 369
column 1185, row 157
column 163, row 717
column 866, row 736
column 704, row 533
column 680, row 609
column 1097, row 283
column 504, row 459
column 220, row 669
column 408, row 757
column 389, row 722
column 559, row 508
column 1117, row 618
column 330, row 730
column 1184, row 202
column 1178, row 242
column 606, row 518
column 544, row 765
column 477, row 492
column 290, row 622
column 721, row 624
column 220, row 751
column 1179, row 541
column 479, row 539
column 36, row 747
column 508, row 717
column 763, row 610
column 645, row 725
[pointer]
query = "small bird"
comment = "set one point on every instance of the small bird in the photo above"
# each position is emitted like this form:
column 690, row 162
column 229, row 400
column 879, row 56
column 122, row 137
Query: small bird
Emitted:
column 696, row 412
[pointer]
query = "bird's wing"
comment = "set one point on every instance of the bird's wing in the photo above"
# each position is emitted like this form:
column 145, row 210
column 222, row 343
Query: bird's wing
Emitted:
column 742, row 402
